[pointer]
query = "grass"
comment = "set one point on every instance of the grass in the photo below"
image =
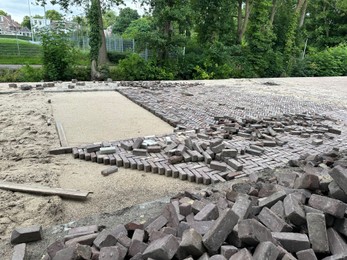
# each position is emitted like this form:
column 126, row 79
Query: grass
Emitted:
column 16, row 51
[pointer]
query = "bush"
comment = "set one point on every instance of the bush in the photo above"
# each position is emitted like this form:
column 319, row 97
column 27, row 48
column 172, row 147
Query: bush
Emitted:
column 24, row 74
column 115, row 57
column 58, row 55
column 135, row 67
column 330, row 62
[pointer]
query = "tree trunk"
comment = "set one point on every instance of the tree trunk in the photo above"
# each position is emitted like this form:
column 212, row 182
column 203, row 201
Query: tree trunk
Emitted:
column 102, row 57
column 299, row 5
column 273, row 11
column 242, row 24
column 303, row 14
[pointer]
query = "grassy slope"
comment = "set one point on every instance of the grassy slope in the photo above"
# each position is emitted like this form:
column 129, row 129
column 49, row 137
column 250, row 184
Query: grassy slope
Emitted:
column 29, row 53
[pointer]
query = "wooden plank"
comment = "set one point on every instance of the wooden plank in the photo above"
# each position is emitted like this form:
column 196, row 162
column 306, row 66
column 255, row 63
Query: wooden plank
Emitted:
column 44, row 190
column 61, row 134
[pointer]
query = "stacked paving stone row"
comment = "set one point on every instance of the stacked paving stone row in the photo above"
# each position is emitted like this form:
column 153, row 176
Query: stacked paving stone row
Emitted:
column 196, row 105
column 227, row 149
column 297, row 214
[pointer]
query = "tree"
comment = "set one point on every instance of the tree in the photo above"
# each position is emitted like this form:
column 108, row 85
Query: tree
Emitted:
column 126, row 16
column 2, row 12
column 109, row 18
column 94, row 10
column 54, row 15
column 260, row 37
column 243, row 13
column 213, row 20
column 138, row 28
column 26, row 22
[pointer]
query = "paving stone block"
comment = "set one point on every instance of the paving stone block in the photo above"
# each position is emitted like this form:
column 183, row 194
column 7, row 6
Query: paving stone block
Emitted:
column 109, row 170
column 222, row 227
column 266, row 251
column 218, row 148
column 137, row 143
column 202, row 227
column 83, row 240
column 328, row 205
column 105, row 239
column 337, row 243
column 137, row 247
column 307, row 254
column 170, row 213
column 220, row 166
column 253, row 152
column 209, row 212
column 227, row 251
column 217, row 257
column 252, row 232
column 336, row 192
column 191, row 244
column 317, row 232
column 164, row 248
column 339, row 175
column 292, row 242
column 154, row 149
column 19, row 252
column 307, row 181
column 242, row 206
column 293, row 210
column 139, row 234
column 341, row 226
column 272, row 199
column 342, row 256
column 243, row 254
column 26, row 234
column 156, row 224
column 237, row 166
column 107, row 150
column 287, row 179
column 140, row 152
column 278, row 209
column 175, row 159
column 111, row 253
column 273, row 221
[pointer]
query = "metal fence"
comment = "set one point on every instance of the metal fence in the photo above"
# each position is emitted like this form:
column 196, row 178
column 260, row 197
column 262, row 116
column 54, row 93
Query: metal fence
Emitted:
column 113, row 43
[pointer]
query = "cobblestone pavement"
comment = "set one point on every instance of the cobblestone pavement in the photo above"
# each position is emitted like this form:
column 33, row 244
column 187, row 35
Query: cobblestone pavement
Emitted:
column 196, row 106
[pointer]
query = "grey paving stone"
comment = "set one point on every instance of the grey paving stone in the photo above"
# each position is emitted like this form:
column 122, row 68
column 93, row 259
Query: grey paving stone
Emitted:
column 307, row 254
column 337, row 244
column 242, row 206
column 272, row 199
column 243, row 254
column 292, row 242
column 209, row 212
column 26, row 234
column 19, row 252
column 273, row 221
column 328, row 205
column 191, row 244
column 252, row 232
column 317, row 232
column 164, row 248
column 266, row 251
column 222, row 227
column 293, row 210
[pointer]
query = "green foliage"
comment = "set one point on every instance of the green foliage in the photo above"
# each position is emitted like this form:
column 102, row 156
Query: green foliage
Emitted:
column 330, row 62
column 109, row 18
column 213, row 20
column 26, row 22
column 138, row 29
column 122, row 22
column 24, row 74
column 2, row 12
column 136, row 68
column 94, row 35
column 115, row 57
column 58, row 55
column 54, row 15
column 260, row 38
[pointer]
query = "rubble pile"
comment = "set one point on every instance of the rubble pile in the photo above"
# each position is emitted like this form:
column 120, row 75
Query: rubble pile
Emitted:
column 156, row 85
column 215, row 154
column 299, row 213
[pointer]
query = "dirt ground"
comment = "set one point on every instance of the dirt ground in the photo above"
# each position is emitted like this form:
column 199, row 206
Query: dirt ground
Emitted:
column 27, row 132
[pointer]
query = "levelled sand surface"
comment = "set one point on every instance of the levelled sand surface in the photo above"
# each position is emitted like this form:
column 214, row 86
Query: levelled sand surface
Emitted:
column 103, row 116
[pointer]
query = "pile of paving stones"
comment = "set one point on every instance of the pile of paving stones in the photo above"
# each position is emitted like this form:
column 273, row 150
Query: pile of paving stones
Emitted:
column 218, row 153
column 298, row 214
column 156, row 85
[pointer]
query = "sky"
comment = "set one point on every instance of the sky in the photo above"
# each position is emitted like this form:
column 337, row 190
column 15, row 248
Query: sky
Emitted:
column 20, row 8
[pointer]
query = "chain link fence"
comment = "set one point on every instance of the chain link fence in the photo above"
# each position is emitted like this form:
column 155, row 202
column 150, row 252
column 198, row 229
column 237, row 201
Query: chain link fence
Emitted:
column 20, row 48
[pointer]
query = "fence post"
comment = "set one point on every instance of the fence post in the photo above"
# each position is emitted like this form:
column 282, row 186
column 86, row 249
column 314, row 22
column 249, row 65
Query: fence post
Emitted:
column 133, row 45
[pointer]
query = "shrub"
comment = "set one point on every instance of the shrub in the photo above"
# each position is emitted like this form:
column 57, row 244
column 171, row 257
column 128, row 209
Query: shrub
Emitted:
column 58, row 55
column 24, row 74
column 136, row 68
column 115, row 57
